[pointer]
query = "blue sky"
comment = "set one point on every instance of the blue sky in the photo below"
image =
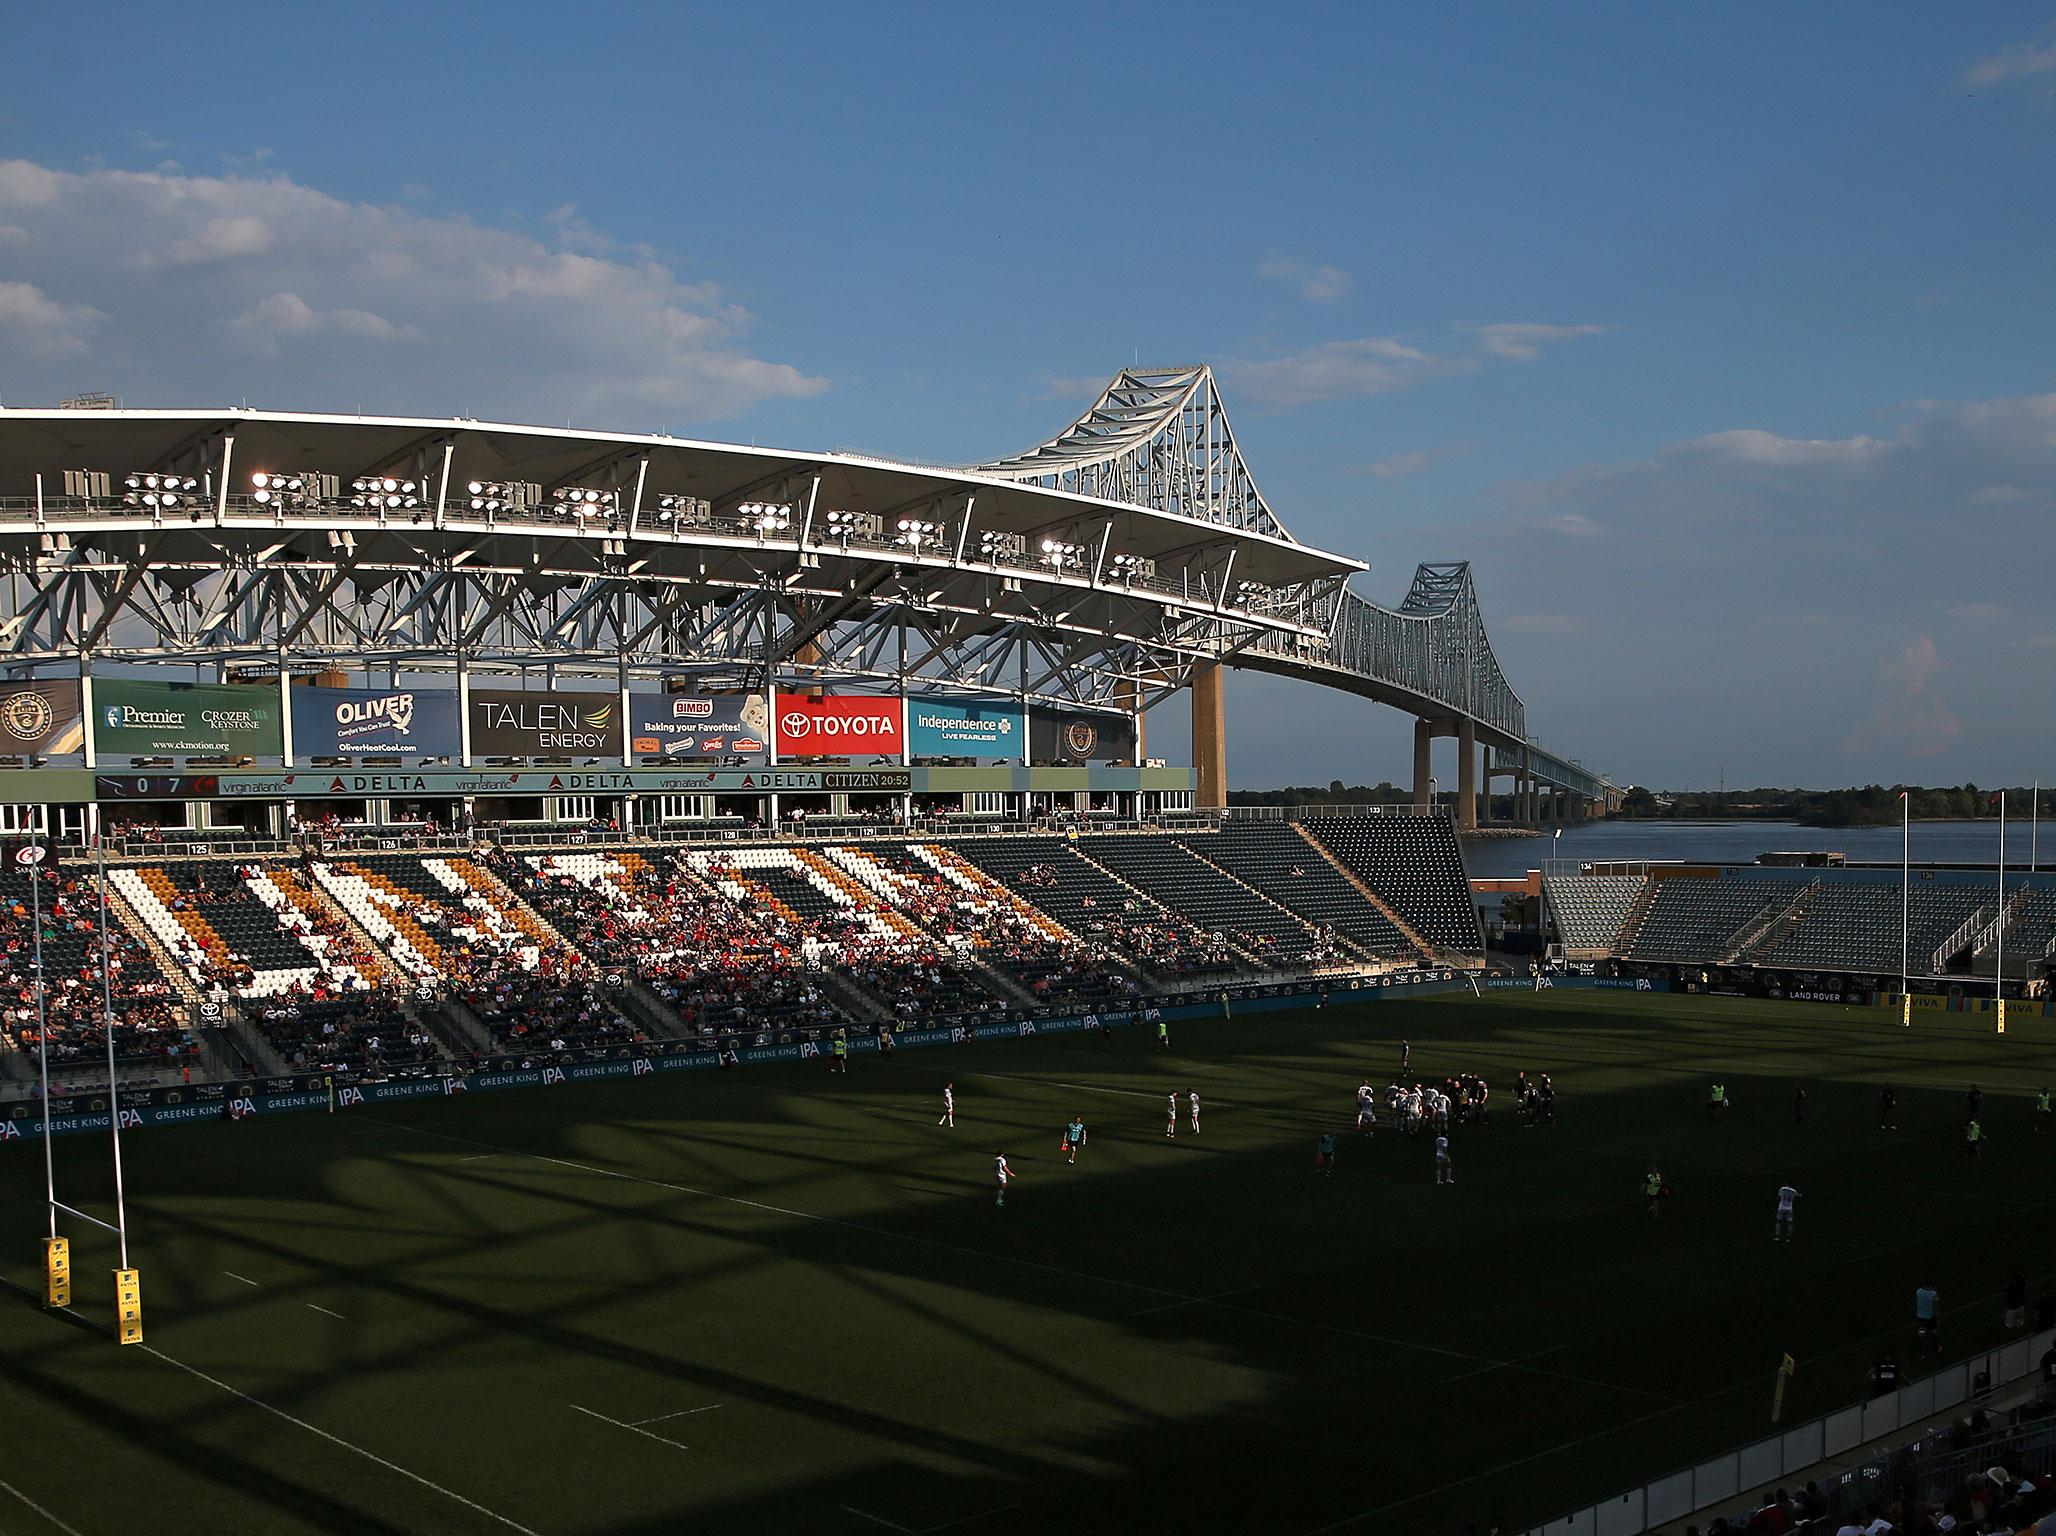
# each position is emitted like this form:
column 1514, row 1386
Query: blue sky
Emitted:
column 1719, row 339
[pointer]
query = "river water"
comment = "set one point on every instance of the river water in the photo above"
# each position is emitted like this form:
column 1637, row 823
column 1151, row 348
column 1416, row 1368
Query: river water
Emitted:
column 1739, row 842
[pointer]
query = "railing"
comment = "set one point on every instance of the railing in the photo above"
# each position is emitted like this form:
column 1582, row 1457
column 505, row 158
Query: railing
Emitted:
column 1988, row 935
column 1310, row 812
column 1758, row 928
column 1955, row 942
column 1780, row 1456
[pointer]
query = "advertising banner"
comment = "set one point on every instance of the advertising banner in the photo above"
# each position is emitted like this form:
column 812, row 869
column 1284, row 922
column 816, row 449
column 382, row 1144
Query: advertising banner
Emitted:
column 1055, row 736
column 181, row 719
column 686, row 725
column 839, row 725
column 946, row 729
column 508, row 722
column 354, row 722
column 41, row 717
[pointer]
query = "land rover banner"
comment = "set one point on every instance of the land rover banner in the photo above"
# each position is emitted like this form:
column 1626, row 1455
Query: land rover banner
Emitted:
column 185, row 719
column 41, row 717
column 689, row 727
column 943, row 729
column 1055, row 736
column 508, row 722
column 350, row 722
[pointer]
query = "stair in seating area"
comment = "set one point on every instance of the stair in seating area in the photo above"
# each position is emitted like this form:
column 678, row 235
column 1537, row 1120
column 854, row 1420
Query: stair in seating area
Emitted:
column 123, row 911
column 1631, row 925
column 647, row 1007
column 1406, row 929
column 1764, row 931
column 510, row 906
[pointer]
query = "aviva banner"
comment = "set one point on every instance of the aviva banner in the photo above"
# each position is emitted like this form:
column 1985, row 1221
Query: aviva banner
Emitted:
column 939, row 729
column 346, row 722
column 183, row 719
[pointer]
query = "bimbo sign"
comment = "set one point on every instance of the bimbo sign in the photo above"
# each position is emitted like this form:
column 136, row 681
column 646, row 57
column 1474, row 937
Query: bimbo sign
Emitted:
column 840, row 725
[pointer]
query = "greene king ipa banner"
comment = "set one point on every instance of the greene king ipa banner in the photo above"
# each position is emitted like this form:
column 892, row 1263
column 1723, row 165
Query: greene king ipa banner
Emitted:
column 184, row 719
column 42, row 718
column 508, row 722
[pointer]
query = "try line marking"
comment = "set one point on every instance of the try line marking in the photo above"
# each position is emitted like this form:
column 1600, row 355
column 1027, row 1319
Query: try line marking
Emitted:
column 633, row 1429
column 234, row 1276
column 1179, row 1297
column 324, row 1311
column 37, row 1508
column 312, row 1429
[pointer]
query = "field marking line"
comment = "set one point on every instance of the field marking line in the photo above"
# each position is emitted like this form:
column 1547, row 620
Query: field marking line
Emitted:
column 1194, row 1301
column 983, row 1514
column 481, row 1157
column 681, row 1413
column 632, row 1429
column 324, row 1311
column 37, row 1508
column 234, row 1276
column 851, row 1509
column 315, row 1429
column 1053, row 1269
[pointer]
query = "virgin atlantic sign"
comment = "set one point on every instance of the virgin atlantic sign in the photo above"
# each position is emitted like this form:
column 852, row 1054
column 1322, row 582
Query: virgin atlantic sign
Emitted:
column 840, row 725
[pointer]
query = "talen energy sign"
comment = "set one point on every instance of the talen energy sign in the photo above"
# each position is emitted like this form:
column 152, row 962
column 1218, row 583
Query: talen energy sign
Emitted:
column 939, row 729
column 840, row 725
column 353, row 722
column 687, row 727
column 185, row 719
column 512, row 723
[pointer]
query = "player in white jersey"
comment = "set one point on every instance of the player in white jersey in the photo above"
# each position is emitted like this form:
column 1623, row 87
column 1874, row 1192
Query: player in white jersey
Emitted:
column 1171, row 1115
column 1193, row 1105
column 1444, row 1174
column 1001, row 1173
column 949, row 1106
column 1366, row 1109
column 1787, row 1196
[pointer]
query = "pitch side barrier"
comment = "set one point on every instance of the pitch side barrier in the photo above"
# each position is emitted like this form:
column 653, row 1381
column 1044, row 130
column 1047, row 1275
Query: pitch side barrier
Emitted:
column 298, row 1092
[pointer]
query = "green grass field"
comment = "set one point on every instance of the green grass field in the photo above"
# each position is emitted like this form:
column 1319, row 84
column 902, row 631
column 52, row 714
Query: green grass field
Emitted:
column 774, row 1300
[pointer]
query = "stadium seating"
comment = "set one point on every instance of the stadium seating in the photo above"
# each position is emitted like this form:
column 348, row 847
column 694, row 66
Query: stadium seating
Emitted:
column 1185, row 883
column 1272, row 857
column 1694, row 920
column 149, row 1024
column 1589, row 911
column 1084, row 898
column 1414, row 863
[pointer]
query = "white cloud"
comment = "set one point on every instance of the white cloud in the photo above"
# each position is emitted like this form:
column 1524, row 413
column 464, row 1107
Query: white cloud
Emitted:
column 204, row 289
column 1380, row 365
column 1397, row 466
column 45, row 326
column 1316, row 284
column 2017, row 61
column 1412, row 461
column 1372, row 365
column 287, row 315
column 1810, row 607
column 1523, row 341
column 1909, row 715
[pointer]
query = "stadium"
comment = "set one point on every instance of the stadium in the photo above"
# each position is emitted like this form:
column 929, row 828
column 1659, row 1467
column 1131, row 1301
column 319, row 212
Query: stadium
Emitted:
column 784, row 824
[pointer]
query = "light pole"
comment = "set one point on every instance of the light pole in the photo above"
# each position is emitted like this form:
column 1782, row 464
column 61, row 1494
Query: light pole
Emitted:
column 1999, row 967
column 1905, row 901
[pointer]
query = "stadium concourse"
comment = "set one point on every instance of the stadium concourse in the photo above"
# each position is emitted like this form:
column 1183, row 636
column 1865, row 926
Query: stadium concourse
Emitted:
column 367, row 959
